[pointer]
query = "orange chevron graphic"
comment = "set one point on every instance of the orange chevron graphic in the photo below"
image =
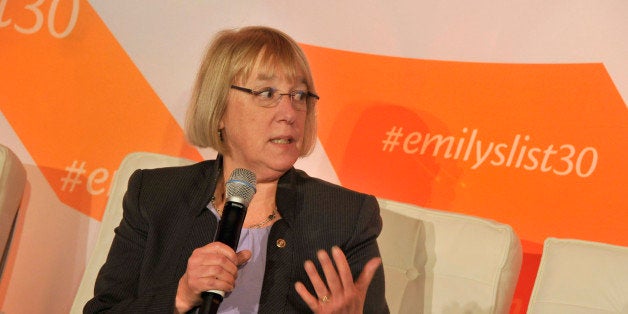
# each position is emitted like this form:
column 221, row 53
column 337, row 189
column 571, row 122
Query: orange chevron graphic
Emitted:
column 78, row 103
column 493, row 140
column 537, row 146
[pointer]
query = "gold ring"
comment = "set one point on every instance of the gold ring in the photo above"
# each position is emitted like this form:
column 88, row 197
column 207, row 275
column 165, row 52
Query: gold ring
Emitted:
column 325, row 299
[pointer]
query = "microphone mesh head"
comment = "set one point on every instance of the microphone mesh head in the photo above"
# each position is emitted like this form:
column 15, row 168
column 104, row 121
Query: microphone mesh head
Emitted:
column 241, row 185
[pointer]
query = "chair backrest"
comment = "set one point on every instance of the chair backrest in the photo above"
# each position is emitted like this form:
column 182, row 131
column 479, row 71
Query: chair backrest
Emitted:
column 443, row 262
column 113, row 215
column 12, row 183
column 578, row 277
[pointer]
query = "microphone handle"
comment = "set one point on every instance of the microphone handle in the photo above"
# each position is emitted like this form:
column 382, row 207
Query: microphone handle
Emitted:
column 211, row 302
column 228, row 233
column 231, row 224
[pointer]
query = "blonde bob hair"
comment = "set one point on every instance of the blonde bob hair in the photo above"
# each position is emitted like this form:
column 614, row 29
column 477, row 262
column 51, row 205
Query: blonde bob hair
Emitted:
column 230, row 58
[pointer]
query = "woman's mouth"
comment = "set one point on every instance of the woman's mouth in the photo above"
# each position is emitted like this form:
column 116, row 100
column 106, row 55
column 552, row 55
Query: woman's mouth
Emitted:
column 281, row 140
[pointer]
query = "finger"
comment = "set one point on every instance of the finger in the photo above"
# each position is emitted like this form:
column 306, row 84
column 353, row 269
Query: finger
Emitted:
column 216, row 263
column 219, row 254
column 243, row 257
column 210, row 277
column 367, row 274
column 204, row 264
column 319, row 286
column 220, row 248
column 333, row 282
column 220, row 282
column 344, row 270
column 308, row 298
column 211, row 263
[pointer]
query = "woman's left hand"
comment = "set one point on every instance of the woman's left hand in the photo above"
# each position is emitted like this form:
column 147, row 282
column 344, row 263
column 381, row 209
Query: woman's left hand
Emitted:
column 341, row 294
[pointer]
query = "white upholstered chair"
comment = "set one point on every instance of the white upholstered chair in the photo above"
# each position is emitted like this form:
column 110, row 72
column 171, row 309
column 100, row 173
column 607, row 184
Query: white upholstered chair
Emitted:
column 435, row 262
column 443, row 262
column 578, row 277
column 113, row 215
column 12, row 184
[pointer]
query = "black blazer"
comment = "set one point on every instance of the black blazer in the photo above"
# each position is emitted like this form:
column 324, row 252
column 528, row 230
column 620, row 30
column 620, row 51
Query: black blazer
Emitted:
column 166, row 217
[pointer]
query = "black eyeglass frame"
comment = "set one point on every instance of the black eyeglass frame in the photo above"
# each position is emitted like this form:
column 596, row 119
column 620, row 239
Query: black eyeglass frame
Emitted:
column 257, row 92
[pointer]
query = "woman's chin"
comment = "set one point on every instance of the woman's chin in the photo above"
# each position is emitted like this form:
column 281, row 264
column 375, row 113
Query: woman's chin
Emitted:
column 275, row 168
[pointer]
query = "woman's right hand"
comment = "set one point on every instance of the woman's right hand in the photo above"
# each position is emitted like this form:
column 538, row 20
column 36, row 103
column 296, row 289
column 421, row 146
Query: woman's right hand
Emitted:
column 211, row 267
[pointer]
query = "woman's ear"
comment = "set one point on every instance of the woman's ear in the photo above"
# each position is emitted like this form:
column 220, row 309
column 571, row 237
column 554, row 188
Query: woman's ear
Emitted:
column 221, row 124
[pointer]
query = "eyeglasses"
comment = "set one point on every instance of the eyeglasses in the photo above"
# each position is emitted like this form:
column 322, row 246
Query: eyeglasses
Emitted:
column 269, row 97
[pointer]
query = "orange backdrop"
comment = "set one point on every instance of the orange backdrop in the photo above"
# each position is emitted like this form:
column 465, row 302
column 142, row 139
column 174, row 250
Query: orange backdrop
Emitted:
column 536, row 146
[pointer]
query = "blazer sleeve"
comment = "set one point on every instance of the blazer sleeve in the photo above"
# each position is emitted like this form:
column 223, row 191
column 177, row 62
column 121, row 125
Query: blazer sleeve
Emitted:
column 118, row 281
column 363, row 247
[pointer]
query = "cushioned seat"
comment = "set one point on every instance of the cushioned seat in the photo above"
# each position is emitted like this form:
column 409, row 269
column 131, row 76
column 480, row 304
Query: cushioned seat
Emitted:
column 578, row 277
column 113, row 215
column 443, row 262
column 435, row 262
column 12, row 184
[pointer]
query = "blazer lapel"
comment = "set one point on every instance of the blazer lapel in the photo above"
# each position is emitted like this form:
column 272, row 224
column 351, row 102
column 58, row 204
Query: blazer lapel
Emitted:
column 278, row 275
column 199, row 224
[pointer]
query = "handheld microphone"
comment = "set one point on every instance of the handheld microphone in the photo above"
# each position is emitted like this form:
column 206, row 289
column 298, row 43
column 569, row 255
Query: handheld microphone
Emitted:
column 240, row 190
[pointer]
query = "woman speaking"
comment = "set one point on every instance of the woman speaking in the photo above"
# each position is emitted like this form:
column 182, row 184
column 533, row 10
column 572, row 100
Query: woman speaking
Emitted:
column 306, row 245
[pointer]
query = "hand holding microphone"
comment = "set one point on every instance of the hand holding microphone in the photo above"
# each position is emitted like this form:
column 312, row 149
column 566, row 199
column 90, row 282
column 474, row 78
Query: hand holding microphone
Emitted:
column 240, row 190
column 207, row 265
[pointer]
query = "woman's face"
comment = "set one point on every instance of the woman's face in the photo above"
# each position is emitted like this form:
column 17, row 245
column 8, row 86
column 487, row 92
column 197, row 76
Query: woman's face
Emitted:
column 266, row 141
